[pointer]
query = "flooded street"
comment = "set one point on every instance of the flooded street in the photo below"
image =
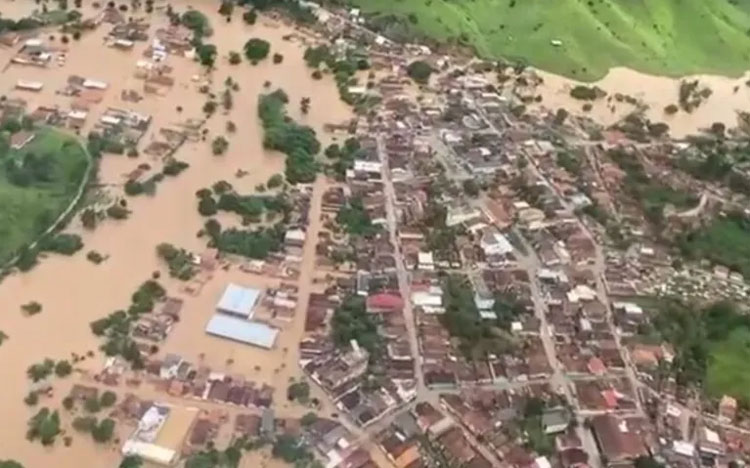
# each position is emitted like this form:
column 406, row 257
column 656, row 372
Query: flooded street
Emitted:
column 74, row 292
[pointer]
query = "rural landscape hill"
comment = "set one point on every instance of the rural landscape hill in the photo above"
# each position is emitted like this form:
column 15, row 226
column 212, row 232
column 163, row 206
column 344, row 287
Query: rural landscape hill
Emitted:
column 666, row 37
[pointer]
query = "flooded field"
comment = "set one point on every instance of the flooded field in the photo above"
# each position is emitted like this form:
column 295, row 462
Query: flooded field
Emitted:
column 729, row 95
column 73, row 291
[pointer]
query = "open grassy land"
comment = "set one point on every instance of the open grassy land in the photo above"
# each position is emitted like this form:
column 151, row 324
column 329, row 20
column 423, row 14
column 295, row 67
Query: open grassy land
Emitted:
column 729, row 366
column 725, row 241
column 666, row 37
column 37, row 183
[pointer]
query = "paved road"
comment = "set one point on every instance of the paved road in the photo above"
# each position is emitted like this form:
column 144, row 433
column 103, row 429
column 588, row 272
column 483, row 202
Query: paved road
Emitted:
column 402, row 274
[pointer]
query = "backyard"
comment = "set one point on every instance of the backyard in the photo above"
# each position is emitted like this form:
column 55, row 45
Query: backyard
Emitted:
column 665, row 37
column 34, row 194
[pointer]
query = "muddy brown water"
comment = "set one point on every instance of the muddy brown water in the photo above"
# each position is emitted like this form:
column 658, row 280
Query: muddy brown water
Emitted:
column 75, row 292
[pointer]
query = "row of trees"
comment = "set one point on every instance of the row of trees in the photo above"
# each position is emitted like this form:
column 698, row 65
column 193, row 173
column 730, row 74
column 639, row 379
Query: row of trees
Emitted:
column 179, row 261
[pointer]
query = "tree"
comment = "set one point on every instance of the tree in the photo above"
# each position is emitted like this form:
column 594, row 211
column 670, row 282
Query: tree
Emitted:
column 250, row 17
column 206, row 54
column 308, row 419
column 108, row 399
column 45, row 426
column 10, row 464
column 207, row 206
column 40, row 371
column 92, row 405
column 197, row 22
column 63, row 368
column 84, row 423
column 209, row 108
column 31, row 399
column 68, row 403
column 226, row 8
column 88, row 218
column 647, row 462
column 130, row 461
column 103, row 431
column 560, row 116
column 419, row 71
column 256, row 49
column 471, row 188
column 221, row 187
column 298, row 391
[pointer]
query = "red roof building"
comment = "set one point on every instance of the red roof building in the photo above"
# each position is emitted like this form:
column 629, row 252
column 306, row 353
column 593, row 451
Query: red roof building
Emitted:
column 384, row 303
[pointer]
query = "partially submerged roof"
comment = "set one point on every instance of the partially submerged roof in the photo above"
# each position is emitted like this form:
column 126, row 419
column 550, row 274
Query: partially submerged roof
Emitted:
column 238, row 300
column 242, row 330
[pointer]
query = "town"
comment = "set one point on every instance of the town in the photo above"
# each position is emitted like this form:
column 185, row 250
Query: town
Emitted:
column 423, row 264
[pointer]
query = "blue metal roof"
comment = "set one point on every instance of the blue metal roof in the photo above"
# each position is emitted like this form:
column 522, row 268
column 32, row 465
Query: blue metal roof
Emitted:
column 238, row 300
column 242, row 330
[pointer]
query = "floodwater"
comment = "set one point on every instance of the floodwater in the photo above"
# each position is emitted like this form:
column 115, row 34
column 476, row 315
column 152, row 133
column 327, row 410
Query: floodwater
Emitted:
column 74, row 292
column 729, row 95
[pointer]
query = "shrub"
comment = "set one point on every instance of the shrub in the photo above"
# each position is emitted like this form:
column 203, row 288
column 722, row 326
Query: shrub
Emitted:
column 671, row 109
column 31, row 308
column 117, row 212
column 586, row 93
column 278, row 58
column 66, row 244
column 234, row 58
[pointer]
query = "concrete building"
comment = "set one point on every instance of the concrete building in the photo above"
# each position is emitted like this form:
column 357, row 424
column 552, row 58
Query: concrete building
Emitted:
column 238, row 301
column 160, row 434
column 242, row 330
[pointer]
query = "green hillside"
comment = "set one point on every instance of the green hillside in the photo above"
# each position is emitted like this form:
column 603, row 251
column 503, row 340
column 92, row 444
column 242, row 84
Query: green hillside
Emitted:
column 667, row 37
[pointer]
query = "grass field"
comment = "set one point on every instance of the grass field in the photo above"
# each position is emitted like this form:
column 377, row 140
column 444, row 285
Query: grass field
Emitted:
column 665, row 37
column 725, row 241
column 25, row 212
column 729, row 366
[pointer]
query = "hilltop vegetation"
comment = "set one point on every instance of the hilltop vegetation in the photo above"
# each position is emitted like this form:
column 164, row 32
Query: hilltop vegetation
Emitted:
column 671, row 37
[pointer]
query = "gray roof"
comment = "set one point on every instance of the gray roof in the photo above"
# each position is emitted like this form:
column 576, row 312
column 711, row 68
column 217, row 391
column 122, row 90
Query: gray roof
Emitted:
column 244, row 331
column 238, row 300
